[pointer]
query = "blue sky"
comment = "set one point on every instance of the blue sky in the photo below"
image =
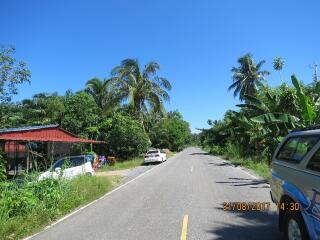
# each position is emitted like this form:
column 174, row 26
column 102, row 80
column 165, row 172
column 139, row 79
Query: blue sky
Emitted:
column 65, row 43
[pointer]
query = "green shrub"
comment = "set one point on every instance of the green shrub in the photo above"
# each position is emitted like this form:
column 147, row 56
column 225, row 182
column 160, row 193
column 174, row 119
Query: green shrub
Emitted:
column 15, row 200
column 232, row 151
column 50, row 191
column 3, row 173
column 81, row 113
column 125, row 136
column 171, row 132
column 29, row 205
column 216, row 150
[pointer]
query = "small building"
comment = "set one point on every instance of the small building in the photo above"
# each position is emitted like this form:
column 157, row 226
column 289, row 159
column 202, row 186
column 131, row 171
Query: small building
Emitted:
column 36, row 147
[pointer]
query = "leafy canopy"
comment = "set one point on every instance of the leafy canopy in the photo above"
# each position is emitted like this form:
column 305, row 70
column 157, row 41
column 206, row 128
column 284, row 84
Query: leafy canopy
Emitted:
column 247, row 76
column 12, row 73
column 143, row 89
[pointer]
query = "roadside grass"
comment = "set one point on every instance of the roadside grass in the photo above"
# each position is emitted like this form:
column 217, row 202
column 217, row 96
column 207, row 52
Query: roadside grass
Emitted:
column 121, row 165
column 260, row 167
column 73, row 194
column 171, row 154
column 52, row 199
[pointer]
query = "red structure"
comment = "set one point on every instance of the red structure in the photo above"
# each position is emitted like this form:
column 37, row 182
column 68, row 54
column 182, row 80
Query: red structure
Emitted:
column 52, row 141
column 48, row 133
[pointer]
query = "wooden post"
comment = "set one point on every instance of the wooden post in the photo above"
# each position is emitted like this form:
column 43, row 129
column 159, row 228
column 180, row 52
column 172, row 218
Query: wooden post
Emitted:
column 52, row 153
column 15, row 157
column 28, row 160
column 2, row 151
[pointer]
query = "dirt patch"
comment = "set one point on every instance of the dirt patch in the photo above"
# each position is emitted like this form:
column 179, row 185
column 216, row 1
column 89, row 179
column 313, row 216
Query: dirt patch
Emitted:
column 124, row 173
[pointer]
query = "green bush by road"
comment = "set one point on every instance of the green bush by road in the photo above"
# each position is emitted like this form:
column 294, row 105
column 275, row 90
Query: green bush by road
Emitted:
column 125, row 137
column 26, row 207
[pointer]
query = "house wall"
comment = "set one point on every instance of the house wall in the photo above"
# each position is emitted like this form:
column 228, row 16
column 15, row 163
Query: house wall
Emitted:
column 16, row 156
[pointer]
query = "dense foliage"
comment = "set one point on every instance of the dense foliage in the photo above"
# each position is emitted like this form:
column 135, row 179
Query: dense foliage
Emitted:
column 171, row 132
column 81, row 113
column 142, row 88
column 266, row 114
column 3, row 174
column 12, row 73
column 125, row 136
column 28, row 205
column 124, row 110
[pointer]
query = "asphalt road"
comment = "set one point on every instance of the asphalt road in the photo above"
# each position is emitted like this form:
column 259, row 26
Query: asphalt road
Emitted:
column 153, row 206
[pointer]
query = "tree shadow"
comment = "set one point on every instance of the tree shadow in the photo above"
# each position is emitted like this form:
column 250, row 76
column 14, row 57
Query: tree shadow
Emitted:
column 247, row 225
column 241, row 182
column 223, row 164
column 199, row 153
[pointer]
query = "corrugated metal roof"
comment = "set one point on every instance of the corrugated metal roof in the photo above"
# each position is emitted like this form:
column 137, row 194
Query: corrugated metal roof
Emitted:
column 45, row 133
column 28, row 128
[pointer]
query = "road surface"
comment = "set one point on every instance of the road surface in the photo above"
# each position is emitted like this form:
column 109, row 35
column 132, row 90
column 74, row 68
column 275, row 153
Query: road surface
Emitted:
column 191, row 186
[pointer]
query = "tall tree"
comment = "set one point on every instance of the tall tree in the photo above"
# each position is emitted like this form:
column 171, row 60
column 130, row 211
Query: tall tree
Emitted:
column 105, row 96
column 43, row 108
column 81, row 114
column 143, row 89
column 12, row 73
column 171, row 132
column 278, row 64
column 246, row 76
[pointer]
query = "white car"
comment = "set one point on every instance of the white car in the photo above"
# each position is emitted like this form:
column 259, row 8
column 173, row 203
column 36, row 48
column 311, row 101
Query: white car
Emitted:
column 155, row 155
column 69, row 167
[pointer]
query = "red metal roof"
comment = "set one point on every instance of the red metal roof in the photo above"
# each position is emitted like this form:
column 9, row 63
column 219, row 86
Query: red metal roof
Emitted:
column 50, row 133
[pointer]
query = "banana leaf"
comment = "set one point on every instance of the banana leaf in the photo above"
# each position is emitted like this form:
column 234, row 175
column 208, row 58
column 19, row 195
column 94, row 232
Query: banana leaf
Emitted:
column 275, row 118
column 309, row 113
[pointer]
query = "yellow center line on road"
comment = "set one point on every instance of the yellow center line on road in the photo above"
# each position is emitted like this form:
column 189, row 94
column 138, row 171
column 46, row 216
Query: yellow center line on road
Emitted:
column 184, row 228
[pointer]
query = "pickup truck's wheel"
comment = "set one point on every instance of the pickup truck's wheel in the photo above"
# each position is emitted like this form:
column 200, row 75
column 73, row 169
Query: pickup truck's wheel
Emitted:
column 295, row 228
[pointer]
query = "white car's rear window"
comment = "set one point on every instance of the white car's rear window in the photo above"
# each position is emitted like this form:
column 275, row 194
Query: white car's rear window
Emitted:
column 151, row 152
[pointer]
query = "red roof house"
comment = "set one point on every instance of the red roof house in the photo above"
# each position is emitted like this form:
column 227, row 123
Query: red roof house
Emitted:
column 47, row 133
column 53, row 140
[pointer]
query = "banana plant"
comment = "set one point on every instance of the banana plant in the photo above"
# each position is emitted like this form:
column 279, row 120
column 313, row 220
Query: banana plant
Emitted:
column 308, row 110
column 264, row 114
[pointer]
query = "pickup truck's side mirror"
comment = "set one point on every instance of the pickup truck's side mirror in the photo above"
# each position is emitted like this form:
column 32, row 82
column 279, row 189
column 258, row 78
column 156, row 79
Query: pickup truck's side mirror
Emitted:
column 57, row 170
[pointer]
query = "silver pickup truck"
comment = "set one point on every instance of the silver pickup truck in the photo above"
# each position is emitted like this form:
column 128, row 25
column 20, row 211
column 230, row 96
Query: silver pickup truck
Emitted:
column 295, row 184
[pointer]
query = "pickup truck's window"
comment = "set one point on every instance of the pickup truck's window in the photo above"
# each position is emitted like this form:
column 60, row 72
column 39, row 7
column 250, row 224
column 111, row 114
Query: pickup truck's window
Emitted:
column 314, row 163
column 295, row 148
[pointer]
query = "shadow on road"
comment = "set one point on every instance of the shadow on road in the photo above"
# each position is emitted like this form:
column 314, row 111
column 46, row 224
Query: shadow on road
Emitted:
column 200, row 153
column 239, row 182
column 247, row 225
column 219, row 164
column 151, row 163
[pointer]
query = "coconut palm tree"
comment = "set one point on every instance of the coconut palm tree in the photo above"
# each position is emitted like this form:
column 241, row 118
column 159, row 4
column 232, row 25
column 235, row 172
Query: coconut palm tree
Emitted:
column 103, row 93
column 246, row 76
column 278, row 64
column 142, row 89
